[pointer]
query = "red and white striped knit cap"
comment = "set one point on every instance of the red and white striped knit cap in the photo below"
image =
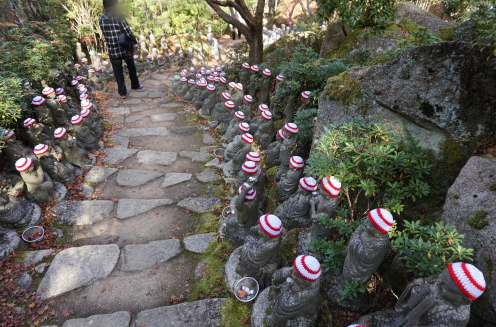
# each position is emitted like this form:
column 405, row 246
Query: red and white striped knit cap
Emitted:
column 254, row 68
column 192, row 82
column 331, row 185
column 79, row 78
column 85, row 112
column 87, row 105
column 105, row 63
column 248, row 98
column 27, row 84
column 216, row 79
column 74, row 82
column 62, row 98
column 23, row 164
column 7, row 134
column 28, row 122
column 91, row 71
column 307, row 267
column 83, row 60
column 244, row 127
column 247, row 137
column 47, row 91
column 183, row 79
column 468, row 278
column 149, row 57
column 56, row 75
column 280, row 133
column 210, row 78
column 291, row 128
column 267, row 115
column 305, row 94
column 253, row 156
column 59, row 91
column 81, row 87
column 239, row 115
column 266, row 72
column 75, row 120
column 38, row 101
column 211, row 87
column 263, row 107
column 199, row 75
column 40, row 149
column 271, row 225
column 98, row 69
column 246, row 65
column 239, row 86
column 251, row 195
column 280, row 78
column 77, row 66
column 83, row 96
column 381, row 218
column 297, row 162
column 223, row 80
column 60, row 132
column 229, row 104
column 250, row 168
column 357, row 325
column 226, row 96
column 232, row 85
column 218, row 69
column 309, row 184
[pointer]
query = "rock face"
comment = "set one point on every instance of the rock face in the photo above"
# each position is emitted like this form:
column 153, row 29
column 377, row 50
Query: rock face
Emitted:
column 437, row 91
column 412, row 13
column 333, row 37
column 191, row 314
column 471, row 193
column 83, row 212
column 76, row 267
column 8, row 242
column 117, row 319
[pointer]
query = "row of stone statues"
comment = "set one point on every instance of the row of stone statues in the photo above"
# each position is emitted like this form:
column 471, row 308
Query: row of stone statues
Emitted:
column 270, row 36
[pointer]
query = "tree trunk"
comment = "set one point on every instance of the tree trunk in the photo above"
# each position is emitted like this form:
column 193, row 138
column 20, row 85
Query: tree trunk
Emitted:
column 256, row 48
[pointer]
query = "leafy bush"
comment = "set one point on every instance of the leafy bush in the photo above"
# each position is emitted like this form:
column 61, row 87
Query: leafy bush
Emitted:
column 485, row 16
column 236, row 55
column 351, row 289
column 427, row 250
column 304, row 119
column 368, row 160
column 14, row 100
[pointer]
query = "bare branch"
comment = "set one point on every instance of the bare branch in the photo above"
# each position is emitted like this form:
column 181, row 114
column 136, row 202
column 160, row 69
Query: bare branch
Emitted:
column 230, row 19
column 260, row 11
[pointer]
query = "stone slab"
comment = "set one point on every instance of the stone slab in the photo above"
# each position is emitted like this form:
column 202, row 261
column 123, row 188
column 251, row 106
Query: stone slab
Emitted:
column 198, row 243
column 117, row 119
column 171, row 105
column 165, row 100
column 119, row 111
column 33, row 257
column 208, row 139
column 213, row 162
column 183, row 130
column 134, row 118
column 132, row 101
column 207, row 148
column 175, row 178
column 135, row 132
column 99, row 174
column 127, row 208
column 143, row 94
column 190, row 314
column 87, row 191
column 117, row 319
column 163, row 117
column 208, row 175
column 156, row 94
column 113, row 103
column 159, row 77
column 151, row 157
column 196, row 156
column 116, row 155
column 137, row 257
column 153, row 82
column 120, row 141
column 141, row 108
column 83, row 212
column 200, row 204
column 136, row 177
column 76, row 267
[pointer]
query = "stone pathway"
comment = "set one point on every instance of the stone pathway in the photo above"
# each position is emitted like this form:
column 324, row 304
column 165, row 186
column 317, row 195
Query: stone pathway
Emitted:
column 133, row 240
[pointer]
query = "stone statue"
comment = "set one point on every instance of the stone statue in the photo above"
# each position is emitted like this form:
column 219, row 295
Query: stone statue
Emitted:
column 324, row 204
column 287, row 149
column 67, row 105
column 108, row 70
column 306, row 100
column 249, row 169
column 214, row 47
column 244, row 76
column 234, row 127
column 266, row 86
column 153, row 41
column 288, row 185
column 150, row 65
column 13, row 149
column 183, row 87
column 191, row 92
column 274, row 149
column 43, row 114
column 246, row 107
column 443, row 300
column 39, row 186
column 97, row 62
column 83, row 134
column 266, row 131
column 56, row 169
column 252, row 87
column 225, row 115
column 163, row 41
column 256, row 121
column 73, row 151
column 36, row 132
column 201, row 95
column 219, row 109
column 79, row 52
column 289, row 109
column 239, row 157
column 143, row 51
column 91, row 123
column 58, row 113
column 237, row 94
column 140, row 68
column 94, row 81
column 209, row 103
column 18, row 212
column 295, row 212
column 261, row 253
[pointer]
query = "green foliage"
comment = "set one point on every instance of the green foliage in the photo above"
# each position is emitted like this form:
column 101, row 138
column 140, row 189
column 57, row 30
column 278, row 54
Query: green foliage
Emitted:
column 351, row 290
column 427, row 250
column 344, row 89
column 331, row 250
column 304, row 119
column 485, row 16
column 236, row 55
column 492, row 187
column 290, row 243
column 14, row 100
column 478, row 220
column 235, row 313
column 370, row 164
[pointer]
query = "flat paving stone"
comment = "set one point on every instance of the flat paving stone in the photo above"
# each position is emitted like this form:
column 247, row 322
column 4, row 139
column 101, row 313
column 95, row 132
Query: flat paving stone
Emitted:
column 76, row 267
column 171, row 105
column 156, row 94
column 166, row 100
column 137, row 257
column 135, row 132
column 134, row 118
column 152, row 82
column 141, row 108
column 127, row 208
column 183, row 130
column 117, row 120
column 143, row 94
column 113, row 103
column 33, row 257
column 136, row 177
column 201, row 204
column 175, row 178
column 117, row 319
column 159, row 77
column 208, row 139
column 163, row 117
column 132, row 101
column 213, row 162
column 120, row 141
column 151, row 157
column 189, row 314
column 83, row 212
column 119, row 111
column 196, row 156
column 117, row 155
column 208, row 175
column 98, row 174
column 207, row 148
column 198, row 243
column 87, row 191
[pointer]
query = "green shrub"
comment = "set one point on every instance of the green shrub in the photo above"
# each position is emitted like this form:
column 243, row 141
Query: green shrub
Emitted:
column 351, row 290
column 15, row 100
column 427, row 250
column 478, row 220
column 236, row 55
column 374, row 171
column 304, row 119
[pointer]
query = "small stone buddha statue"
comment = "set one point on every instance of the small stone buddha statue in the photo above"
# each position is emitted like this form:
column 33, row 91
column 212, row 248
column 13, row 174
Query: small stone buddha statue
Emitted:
column 209, row 103
column 202, row 94
column 94, row 81
column 143, row 51
column 289, row 108
column 183, row 87
column 258, row 120
column 274, row 149
column 233, row 128
column 287, row 149
column 266, row 86
column 306, row 100
column 79, row 52
column 17, row 212
column 36, row 132
column 324, row 204
column 219, row 109
column 107, row 70
column 246, row 107
column 43, row 114
column 58, row 113
column 276, row 98
column 163, row 41
column 237, row 94
column 253, row 87
column 261, row 253
column 295, row 212
column 239, row 157
column 89, row 121
column 288, row 185
column 83, row 134
column 244, row 75
column 191, row 91
column 225, row 116
column 39, row 186
column 246, row 205
column 13, row 149
column 73, row 151
column 265, row 131
column 58, row 171
column 85, row 66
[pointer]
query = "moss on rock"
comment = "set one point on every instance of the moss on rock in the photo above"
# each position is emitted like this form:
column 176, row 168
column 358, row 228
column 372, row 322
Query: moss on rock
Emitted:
column 478, row 220
column 343, row 88
column 235, row 313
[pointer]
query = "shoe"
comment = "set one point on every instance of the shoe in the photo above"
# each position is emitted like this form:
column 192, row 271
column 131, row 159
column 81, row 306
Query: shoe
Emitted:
column 123, row 96
column 139, row 89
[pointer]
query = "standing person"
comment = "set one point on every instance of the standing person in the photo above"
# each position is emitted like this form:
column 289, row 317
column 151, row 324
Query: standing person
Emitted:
column 111, row 24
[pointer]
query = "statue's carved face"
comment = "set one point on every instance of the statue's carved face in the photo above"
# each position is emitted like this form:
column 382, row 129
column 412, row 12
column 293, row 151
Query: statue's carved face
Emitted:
column 371, row 230
column 449, row 292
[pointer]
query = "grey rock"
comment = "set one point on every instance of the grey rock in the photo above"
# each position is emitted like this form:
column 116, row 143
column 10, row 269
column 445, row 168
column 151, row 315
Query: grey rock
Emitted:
column 190, row 314
column 137, row 257
column 175, row 178
column 198, row 243
column 136, row 177
column 165, row 100
column 196, row 156
column 201, row 204
column 156, row 94
column 213, row 162
column 87, row 191
column 120, row 141
column 33, row 257
column 151, row 131
column 117, row 319
column 200, row 269
column 127, row 208
column 131, row 119
column 141, row 108
column 207, row 148
column 83, row 212
column 153, row 82
column 99, row 174
column 412, row 13
column 40, row 269
column 117, row 119
column 333, row 37
column 159, row 77
column 151, row 157
column 163, row 117
column 119, row 111
column 208, row 175
column 138, row 94
column 59, row 232
column 172, row 105
column 76, row 267
column 113, row 103
column 183, row 130
column 132, row 101
column 117, row 155
column 469, row 194
column 208, row 139
column 23, row 281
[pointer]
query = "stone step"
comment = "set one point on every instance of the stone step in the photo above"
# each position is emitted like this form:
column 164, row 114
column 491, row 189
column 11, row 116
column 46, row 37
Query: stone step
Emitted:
column 137, row 257
column 136, row 177
column 135, row 132
column 127, row 208
column 83, row 212
column 117, row 155
column 117, row 319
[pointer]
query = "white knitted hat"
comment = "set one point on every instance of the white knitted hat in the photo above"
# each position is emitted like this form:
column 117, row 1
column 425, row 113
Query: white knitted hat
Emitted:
column 247, row 137
column 40, row 149
column 271, row 225
column 281, row 134
column 254, row 68
column 47, row 91
column 28, row 122
column 280, row 78
column 226, row 96
column 229, row 104
column 297, row 162
column 381, row 218
column 244, row 127
column 263, row 107
column 305, row 94
column 248, row 98
column 38, row 101
column 7, row 134
column 60, row 132
column 468, row 278
column 266, row 72
column 85, row 112
column 239, row 115
column 267, row 115
column 59, row 91
column 250, row 167
column 331, row 185
column 246, row 65
column 291, row 127
column 251, row 195
column 308, row 184
column 75, row 120
column 211, row 87
column 307, row 267
column 62, row 98
column 253, row 156
column 23, row 164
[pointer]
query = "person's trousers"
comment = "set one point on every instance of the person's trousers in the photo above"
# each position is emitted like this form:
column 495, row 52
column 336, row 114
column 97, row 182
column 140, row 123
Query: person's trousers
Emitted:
column 119, row 74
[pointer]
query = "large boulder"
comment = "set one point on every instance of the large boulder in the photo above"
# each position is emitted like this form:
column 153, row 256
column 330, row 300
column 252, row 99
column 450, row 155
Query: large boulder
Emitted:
column 407, row 11
column 471, row 204
column 335, row 34
column 435, row 92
